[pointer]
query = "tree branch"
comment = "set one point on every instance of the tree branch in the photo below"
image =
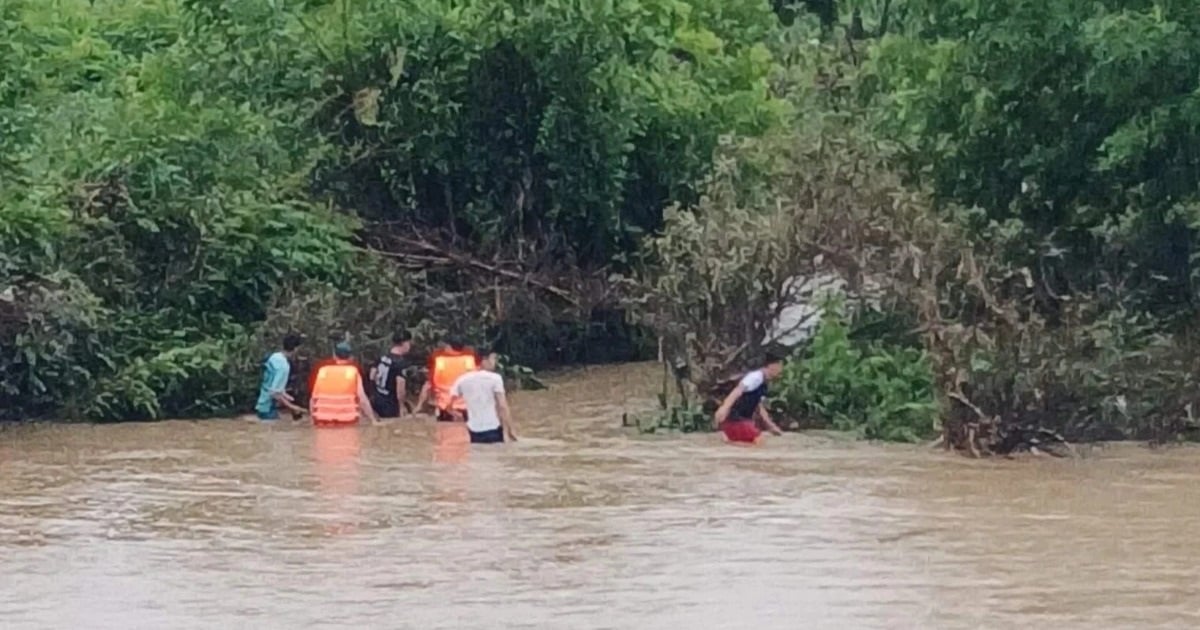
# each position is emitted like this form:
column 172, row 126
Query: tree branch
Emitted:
column 444, row 256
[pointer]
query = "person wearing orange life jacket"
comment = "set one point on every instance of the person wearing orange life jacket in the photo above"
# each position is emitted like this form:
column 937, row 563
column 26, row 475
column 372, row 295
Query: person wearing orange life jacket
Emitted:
column 338, row 396
column 445, row 366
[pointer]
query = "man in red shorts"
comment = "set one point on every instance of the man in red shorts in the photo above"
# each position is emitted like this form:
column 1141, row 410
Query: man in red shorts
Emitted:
column 736, row 415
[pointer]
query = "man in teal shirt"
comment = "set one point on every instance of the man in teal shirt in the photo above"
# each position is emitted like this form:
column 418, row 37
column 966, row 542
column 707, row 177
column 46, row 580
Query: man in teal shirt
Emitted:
column 273, row 393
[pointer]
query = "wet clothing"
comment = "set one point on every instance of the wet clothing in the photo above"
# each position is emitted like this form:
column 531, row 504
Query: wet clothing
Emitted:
column 276, row 370
column 495, row 436
column 741, row 425
column 384, row 397
column 478, row 390
column 385, row 407
column 745, row 431
column 754, row 390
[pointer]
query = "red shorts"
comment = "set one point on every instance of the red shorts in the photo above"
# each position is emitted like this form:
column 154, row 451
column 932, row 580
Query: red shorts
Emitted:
column 740, row 431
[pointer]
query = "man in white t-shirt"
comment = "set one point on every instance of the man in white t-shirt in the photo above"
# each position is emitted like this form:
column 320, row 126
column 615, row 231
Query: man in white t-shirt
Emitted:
column 488, row 417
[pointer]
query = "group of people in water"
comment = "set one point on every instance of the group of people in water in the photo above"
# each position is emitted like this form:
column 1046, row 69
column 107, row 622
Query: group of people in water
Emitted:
column 462, row 386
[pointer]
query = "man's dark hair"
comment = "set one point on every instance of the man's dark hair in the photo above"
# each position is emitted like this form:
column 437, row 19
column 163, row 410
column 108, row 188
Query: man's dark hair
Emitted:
column 774, row 357
column 291, row 341
column 482, row 353
column 401, row 336
column 456, row 343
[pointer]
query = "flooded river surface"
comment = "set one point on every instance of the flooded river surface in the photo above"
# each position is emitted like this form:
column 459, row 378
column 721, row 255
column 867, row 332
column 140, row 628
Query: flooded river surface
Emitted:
column 224, row 524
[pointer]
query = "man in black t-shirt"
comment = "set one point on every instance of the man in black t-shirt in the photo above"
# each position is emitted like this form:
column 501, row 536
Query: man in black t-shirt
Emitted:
column 387, row 377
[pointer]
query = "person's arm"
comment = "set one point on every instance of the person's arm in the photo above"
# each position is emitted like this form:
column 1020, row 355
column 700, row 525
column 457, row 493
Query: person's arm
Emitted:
column 365, row 405
column 285, row 400
column 766, row 418
column 422, row 398
column 401, row 394
column 454, row 396
column 506, row 421
column 727, row 405
column 278, row 388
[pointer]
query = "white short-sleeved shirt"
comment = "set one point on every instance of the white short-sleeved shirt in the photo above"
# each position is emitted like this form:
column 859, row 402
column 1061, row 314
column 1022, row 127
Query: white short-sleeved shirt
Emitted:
column 478, row 390
column 753, row 380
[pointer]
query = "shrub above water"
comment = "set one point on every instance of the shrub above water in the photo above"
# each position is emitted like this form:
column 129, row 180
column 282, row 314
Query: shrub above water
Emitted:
column 883, row 392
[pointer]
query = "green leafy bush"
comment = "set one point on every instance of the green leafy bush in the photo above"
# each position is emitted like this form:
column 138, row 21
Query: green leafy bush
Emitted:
column 146, row 222
column 883, row 392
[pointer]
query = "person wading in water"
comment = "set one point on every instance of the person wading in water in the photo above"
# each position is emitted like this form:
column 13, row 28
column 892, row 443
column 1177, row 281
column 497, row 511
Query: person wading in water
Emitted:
column 390, row 388
column 338, row 396
column 482, row 393
column 736, row 415
column 445, row 366
column 272, row 393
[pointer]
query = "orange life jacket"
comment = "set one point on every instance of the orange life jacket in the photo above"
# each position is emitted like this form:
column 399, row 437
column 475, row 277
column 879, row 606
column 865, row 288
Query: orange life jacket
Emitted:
column 447, row 367
column 334, row 397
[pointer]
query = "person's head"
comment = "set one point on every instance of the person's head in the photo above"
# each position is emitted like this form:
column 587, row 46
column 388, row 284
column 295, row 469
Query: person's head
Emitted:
column 487, row 359
column 456, row 343
column 343, row 351
column 402, row 341
column 773, row 365
column 291, row 341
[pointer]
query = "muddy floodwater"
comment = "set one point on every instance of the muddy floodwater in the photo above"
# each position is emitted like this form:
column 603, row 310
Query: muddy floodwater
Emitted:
column 225, row 524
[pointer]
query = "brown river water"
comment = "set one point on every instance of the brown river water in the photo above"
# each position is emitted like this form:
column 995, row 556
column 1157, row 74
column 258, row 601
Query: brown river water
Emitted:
column 224, row 524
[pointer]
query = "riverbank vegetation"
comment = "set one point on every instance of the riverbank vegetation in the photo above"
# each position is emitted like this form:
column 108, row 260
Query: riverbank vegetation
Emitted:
column 1006, row 195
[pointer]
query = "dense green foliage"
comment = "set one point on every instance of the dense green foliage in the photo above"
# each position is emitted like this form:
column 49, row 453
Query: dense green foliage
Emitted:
column 1075, row 121
column 1039, row 236
column 144, row 221
column 183, row 180
column 570, row 124
column 1071, row 127
column 882, row 391
column 170, row 166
